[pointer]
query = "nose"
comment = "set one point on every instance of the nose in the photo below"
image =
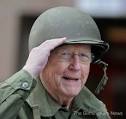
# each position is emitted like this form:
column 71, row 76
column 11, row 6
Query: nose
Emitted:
column 75, row 63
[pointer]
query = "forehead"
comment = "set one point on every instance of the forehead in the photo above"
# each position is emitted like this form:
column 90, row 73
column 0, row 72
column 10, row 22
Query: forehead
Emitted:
column 73, row 47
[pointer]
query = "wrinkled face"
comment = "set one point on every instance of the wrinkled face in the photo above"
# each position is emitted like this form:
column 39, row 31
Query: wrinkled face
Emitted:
column 67, row 69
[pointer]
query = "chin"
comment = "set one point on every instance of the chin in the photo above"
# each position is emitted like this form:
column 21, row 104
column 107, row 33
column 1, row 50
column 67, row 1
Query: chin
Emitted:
column 71, row 93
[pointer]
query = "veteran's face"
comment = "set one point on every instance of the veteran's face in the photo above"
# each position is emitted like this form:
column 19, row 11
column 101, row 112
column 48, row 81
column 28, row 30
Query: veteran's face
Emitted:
column 67, row 69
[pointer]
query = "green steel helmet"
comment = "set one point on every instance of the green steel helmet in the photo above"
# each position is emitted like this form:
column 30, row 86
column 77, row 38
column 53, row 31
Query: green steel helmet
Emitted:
column 68, row 22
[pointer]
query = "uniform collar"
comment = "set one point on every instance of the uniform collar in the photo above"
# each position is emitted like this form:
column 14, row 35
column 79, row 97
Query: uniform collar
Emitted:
column 88, row 102
column 48, row 106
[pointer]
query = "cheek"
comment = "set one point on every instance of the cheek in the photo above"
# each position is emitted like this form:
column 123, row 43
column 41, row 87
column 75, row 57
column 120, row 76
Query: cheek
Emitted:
column 53, row 73
column 58, row 68
column 48, row 77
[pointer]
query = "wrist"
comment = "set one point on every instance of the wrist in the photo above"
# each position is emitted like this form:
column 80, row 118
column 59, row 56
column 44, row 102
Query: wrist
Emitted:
column 31, row 71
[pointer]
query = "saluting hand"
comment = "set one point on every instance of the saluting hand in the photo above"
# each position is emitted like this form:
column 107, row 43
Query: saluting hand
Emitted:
column 38, row 56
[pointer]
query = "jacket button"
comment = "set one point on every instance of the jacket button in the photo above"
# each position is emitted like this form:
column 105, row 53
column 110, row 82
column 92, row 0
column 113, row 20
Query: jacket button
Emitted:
column 25, row 85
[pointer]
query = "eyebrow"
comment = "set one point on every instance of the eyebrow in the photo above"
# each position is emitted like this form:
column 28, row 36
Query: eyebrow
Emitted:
column 64, row 49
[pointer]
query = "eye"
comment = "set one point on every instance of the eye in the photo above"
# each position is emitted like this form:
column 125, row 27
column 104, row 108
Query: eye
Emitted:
column 84, row 57
column 65, row 55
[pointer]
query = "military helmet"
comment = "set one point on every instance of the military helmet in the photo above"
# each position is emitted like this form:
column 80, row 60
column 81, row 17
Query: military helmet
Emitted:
column 68, row 22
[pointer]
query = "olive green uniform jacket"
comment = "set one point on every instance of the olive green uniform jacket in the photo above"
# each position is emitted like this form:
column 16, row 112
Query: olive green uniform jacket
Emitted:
column 18, row 100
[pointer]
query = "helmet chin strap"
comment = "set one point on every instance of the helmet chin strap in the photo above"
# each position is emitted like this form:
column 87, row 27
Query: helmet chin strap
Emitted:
column 104, row 79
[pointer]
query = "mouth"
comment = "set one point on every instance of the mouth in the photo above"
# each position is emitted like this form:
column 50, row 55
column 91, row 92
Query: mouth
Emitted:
column 70, row 78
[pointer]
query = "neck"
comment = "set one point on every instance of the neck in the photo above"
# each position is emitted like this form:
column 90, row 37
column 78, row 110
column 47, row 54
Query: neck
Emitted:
column 60, row 99
column 64, row 100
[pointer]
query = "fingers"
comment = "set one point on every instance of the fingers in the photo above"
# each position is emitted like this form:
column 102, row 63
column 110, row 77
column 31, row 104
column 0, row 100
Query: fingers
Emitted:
column 56, row 42
column 53, row 43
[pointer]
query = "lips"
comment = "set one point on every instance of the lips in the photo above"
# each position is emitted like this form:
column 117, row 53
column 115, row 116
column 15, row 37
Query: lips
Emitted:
column 70, row 78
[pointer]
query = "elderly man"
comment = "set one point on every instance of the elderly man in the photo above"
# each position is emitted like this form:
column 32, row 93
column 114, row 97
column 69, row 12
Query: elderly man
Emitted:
column 63, row 42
